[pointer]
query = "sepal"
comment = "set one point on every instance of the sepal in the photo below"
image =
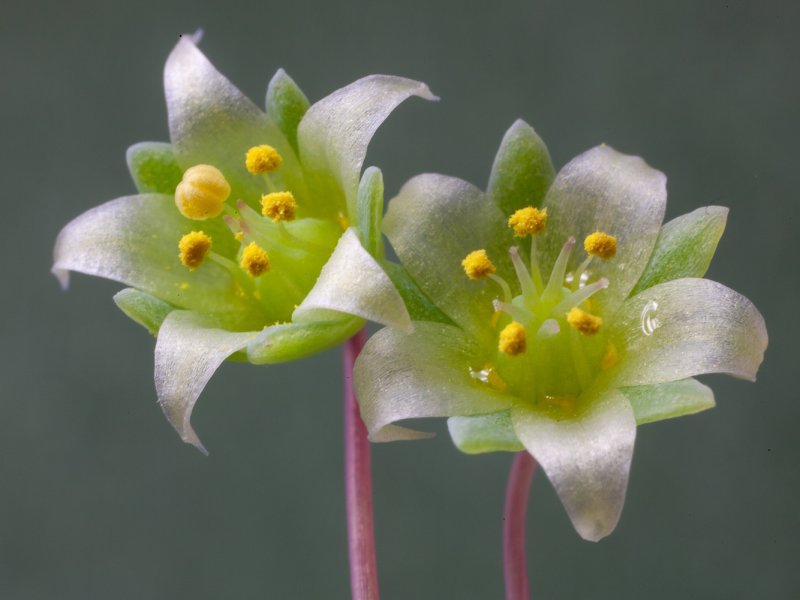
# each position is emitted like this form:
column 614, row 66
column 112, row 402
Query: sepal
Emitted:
column 286, row 105
column 484, row 433
column 153, row 167
column 143, row 308
column 668, row 400
column 291, row 341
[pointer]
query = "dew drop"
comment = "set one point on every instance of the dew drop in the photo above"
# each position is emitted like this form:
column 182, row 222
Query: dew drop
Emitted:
column 648, row 318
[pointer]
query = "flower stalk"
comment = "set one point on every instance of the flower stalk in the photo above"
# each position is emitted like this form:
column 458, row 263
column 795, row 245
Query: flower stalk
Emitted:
column 358, row 485
column 515, row 564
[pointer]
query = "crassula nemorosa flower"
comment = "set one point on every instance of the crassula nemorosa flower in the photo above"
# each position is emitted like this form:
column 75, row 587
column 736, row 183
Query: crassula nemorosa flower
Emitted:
column 567, row 314
column 253, row 235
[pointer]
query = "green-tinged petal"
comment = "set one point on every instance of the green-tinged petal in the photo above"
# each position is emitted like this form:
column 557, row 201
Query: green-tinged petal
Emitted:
column 154, row 168
column 685, row 247
column 425, row 374
column 522, row 170
column 352, row 282
column 484, row 433
column 143, row 308
column 212, row 122
column 587, row 458
column 687, row 327
column 668, row 400
column 369, row 206
column 433, row 223
column 291, row 341
column 334, row 133
column 603, row 190
column 134, row 240
column 419, row 306
column 190, row 347
column 286, row 105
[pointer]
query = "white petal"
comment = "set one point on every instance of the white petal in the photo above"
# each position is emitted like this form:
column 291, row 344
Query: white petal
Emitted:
column 425, row 374
column 687, row 327
column 611, row 192
column 352, row 282
column 334, row 133
column 433, row 223
column 188, row 351
column 587, row 458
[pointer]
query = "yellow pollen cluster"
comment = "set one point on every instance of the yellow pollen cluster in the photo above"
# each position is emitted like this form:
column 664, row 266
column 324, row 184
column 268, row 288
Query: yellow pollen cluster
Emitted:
column 528, row 221
column 513, row 340
column 255, row 260
column 600, row 244
column 194, row 247
column 279, row 206
column 477, row 265
column 343, row 221
column 584, row 322
column 262, row 159
column 202, row 192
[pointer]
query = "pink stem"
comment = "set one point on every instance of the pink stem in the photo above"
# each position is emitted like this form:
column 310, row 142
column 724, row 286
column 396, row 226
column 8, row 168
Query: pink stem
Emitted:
column 515, row 563
column 358, row 485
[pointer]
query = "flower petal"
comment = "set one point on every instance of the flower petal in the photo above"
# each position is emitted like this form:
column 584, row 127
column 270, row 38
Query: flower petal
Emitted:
column 212, row 122
column 153, row 167
column 611, row 192
column 334, row 133
column 286, row 105
column 134, row 240
column 433, row 223
column 687, row 327
column 587, row 458
column 522, row 170
column 188, row 351
column 352, row 282
column 685, row 247
column 143, row 308
column 667, row 400
column 291, row 341
column 484, row 433
column 425, row 374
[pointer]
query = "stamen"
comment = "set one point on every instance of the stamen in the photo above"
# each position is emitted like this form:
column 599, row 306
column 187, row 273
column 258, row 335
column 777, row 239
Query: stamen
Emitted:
column 526, row 283
column 202, row 192
column 584, row 322
column 262, row 159
column 513, row 339
column 503, row 286
column 515, row 312
column 194, row 247
column 610, row 358
column 548, row 329
column 477, row 265
column 535, row 273
column 343, row 221
column 556, row 281
column 528, row 221
column 600, row 244
column 255, row 260
column 580, row 295
column 279, row 206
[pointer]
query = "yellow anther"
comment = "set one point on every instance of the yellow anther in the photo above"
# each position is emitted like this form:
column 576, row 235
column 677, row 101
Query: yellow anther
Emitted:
column 194, row 247
column 262, row 159
column 477, row 265
column 494, row 380
column 600, row 244
column 513, row 339
column 279, row 206
column 202, row 192
column 238, row 236
column 255, row 259
column 528, row 221
column 584, row 322
column 610, row 358
column 344, row 222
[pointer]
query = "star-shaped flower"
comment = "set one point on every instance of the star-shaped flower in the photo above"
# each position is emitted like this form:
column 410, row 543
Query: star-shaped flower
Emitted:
column 254, row 234
column 568, row 314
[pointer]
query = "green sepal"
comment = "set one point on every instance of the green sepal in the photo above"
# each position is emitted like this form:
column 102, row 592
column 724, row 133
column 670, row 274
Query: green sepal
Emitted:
column 668, row 400
column 153, row 168
column 484, row 433
column 286, row 105
column 685, row 247
column 369, row 209
column 143, row 308
column 522, row 171
column 290, row 341
column 417, row 303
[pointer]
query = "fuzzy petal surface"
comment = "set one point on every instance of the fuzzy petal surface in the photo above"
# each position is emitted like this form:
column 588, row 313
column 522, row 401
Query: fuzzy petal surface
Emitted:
column 687, row 327
column 586, row 458
column 188, row 351
column 425, row 374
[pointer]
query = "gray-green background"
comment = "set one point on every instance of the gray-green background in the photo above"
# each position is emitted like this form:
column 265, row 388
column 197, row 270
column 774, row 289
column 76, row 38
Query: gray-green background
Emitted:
column 98, row 497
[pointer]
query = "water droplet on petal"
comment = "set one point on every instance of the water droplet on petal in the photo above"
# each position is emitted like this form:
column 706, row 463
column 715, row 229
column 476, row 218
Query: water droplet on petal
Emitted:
column 648, row 318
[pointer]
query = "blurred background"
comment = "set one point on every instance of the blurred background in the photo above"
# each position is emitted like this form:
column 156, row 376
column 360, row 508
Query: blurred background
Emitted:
column 98, row 496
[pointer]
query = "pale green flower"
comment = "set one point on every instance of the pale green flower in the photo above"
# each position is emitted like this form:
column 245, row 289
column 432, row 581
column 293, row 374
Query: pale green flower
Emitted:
column 279, row 281
column 539, row 347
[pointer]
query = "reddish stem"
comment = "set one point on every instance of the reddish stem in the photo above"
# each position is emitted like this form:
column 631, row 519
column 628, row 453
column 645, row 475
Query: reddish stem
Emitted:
column 515, row 563
column 358, row 485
